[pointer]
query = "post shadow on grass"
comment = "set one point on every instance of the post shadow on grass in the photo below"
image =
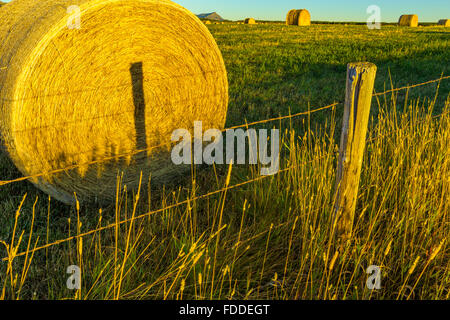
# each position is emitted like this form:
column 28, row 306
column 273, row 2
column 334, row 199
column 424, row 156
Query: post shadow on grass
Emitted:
column 137, row 80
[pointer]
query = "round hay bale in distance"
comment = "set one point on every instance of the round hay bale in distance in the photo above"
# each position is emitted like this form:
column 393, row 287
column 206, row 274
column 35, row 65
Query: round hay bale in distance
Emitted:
column 408, row 20
column 300, row 17
column 249, row 21
column 444, row 22
column 103, row 99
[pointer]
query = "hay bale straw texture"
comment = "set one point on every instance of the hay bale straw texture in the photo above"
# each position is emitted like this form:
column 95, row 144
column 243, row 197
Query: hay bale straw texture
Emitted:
column 289, row 17
column 93, row 97
column 444, row 22
column 300, row 17
column 408, row 20
column 249, row 21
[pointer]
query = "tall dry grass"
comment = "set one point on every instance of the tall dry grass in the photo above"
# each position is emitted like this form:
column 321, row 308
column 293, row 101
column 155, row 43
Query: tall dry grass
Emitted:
column 269, row 239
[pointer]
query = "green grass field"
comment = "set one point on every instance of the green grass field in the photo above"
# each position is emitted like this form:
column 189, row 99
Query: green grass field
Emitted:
column 272, row 238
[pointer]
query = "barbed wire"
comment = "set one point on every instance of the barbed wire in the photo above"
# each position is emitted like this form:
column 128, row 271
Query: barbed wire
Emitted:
column 187, row 201
column 410, row 86
column 136, row 152
column 187, row 99
column 286, row 117
column 207, row 195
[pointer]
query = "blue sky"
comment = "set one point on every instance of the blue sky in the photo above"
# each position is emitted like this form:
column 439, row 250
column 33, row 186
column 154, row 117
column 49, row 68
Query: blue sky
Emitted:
column 323, row 10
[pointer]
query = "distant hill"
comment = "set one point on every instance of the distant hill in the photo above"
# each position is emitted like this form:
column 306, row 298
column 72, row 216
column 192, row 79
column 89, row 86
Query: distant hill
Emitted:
column 210, row 16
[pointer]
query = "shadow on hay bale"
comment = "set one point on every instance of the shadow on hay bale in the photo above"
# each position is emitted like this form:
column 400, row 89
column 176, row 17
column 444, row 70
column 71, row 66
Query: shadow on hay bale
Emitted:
column 408, row 20
column 102, row 101
column 444, row 22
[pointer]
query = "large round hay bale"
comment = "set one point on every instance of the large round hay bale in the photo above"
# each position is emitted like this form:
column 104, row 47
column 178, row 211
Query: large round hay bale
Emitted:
column 249, row 21
column 104, row 98
column 300, row 17
column 444, row 22
column 408, row 20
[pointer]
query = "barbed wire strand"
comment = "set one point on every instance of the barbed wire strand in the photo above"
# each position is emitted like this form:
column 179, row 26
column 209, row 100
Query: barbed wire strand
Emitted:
column 410, row 86
column 169, row 143
column 115, row 157
column 187, row 201
column 200, row 97
column 207, row 195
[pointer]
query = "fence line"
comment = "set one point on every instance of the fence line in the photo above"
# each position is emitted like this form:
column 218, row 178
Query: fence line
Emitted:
column 286, row 117
column 207, row 195
column 75, row 166
column 187, row 201
column 72, row 167
column 136, row 152
column 203, row 96
column 411, row 86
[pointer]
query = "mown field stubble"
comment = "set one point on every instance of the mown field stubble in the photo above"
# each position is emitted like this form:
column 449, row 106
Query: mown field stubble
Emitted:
column 271, row 238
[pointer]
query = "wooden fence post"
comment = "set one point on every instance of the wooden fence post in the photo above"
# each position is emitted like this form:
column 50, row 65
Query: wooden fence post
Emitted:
column 358, row 99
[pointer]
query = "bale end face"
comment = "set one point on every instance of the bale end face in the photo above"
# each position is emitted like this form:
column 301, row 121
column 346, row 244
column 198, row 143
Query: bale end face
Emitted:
column 250, row 21
column 84, row 106
column 289, row 17
column 444, row 22
column 408, row 20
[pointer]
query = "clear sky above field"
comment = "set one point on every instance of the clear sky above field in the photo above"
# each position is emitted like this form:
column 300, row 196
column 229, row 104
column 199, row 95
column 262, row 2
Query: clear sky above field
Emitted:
column 321, row 10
